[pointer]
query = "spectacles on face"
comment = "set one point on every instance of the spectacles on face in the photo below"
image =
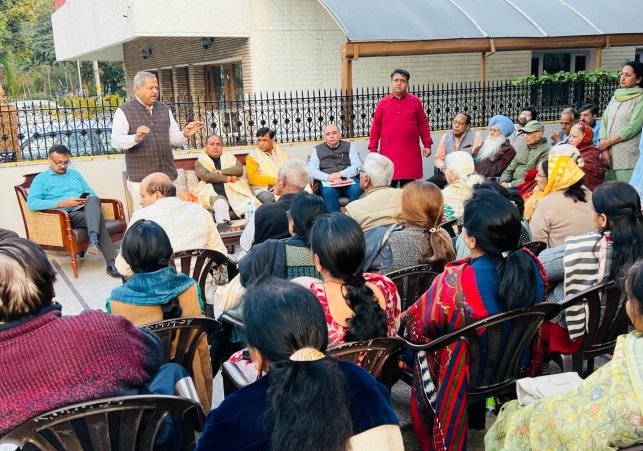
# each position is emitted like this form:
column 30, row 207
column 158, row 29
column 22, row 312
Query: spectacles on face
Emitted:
column 541, row 176
column 362, row 171
column 61, row 163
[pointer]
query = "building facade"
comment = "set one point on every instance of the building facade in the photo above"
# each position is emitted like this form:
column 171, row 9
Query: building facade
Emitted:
column 257, row 46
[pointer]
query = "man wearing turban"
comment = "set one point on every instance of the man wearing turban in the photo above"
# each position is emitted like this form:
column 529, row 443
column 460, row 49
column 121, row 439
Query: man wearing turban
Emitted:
column 495, row 154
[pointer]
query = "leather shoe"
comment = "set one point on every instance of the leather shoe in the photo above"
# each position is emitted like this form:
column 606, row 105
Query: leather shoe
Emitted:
column 112, row 271
column 93, row 248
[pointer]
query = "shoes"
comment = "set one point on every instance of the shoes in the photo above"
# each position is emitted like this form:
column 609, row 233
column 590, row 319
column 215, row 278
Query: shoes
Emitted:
column 111, row 269
column 93, row 248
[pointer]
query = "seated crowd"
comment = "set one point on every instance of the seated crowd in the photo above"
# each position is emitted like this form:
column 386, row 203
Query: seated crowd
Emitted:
column 319, row 240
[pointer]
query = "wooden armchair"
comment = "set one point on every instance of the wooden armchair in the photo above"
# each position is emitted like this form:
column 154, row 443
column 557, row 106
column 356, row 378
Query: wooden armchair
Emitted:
column 52, row 229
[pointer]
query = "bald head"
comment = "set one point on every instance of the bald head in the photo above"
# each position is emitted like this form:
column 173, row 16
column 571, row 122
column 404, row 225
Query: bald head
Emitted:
column 154, row 187
column 332, row 135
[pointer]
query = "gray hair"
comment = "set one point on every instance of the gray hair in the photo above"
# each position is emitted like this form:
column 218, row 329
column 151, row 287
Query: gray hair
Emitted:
column 295, row 171
column 379, row 169
column 139, row 78
column 213, row 135
column 332, row 125
column 572, row 112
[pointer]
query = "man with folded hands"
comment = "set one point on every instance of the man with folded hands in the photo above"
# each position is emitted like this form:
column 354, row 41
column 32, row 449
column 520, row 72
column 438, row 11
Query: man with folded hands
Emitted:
column 221, row 185
column 333, row 161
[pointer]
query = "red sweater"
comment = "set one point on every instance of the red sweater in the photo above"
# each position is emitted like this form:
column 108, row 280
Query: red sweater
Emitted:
column 50, row 361
column 398, row 126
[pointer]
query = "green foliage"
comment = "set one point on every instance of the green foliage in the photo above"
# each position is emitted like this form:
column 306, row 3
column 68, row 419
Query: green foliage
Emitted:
column 28, row 57
column 599, row 76
column 91, row 106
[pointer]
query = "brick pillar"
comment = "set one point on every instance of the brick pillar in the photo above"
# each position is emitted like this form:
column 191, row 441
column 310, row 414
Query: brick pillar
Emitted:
column 165, row 84
column 179, row 82
column 196, row 83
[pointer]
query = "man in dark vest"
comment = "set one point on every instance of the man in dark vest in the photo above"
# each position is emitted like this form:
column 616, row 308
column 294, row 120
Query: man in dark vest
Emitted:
column 460, row 137
column 335, row 162
column 146, row 130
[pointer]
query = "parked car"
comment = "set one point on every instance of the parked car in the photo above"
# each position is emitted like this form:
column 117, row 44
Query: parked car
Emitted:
column 83, row 138
column 40, row 111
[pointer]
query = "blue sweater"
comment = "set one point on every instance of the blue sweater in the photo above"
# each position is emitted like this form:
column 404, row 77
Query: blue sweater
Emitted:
column 48, row 188
column 237, row 423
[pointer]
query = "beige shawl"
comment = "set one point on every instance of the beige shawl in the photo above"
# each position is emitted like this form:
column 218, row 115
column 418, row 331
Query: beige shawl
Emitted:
column 238, row 192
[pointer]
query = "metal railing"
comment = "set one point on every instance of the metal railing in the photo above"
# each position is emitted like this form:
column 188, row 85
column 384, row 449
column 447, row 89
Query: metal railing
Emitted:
column 29, row 128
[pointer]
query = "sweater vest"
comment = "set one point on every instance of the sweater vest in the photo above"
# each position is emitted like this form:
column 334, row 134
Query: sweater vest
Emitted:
column 333, row 160
column 154, row 152
column 466, row 143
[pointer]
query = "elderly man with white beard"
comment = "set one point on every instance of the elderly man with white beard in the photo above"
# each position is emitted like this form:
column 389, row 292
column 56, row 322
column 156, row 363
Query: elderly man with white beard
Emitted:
column 495, row 154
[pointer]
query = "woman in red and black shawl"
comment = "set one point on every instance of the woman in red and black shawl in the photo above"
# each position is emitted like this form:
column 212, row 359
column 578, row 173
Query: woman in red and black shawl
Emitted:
column 499, row 276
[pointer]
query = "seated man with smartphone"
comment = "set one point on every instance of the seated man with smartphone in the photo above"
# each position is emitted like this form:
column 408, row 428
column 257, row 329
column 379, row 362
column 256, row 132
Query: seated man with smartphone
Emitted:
column 335, row 163
column 62, row 187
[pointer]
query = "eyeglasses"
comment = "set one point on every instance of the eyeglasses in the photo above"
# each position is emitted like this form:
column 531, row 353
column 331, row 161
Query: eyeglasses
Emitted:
column 61, row 163
column 362, row 171
column 460, row 221
column 538, row 176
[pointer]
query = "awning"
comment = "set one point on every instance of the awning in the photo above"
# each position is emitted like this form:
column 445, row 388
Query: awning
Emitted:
column 421, row 20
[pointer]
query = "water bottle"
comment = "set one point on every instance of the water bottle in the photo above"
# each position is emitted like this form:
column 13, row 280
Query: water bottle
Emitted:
column 491, row 406
column 250, row 211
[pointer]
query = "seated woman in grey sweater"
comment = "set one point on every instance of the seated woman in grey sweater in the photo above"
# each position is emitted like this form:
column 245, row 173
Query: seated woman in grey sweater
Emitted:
column 596, row 257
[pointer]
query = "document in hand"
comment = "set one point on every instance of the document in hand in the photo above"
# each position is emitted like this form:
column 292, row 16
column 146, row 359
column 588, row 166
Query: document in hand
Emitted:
column 327, row 184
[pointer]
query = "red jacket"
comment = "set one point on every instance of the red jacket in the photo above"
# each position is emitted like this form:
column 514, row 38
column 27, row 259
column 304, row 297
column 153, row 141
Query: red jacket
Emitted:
column 50, row 361
column 398, row 126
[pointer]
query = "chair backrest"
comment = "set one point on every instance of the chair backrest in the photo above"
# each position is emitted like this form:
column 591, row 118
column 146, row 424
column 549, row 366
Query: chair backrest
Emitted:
column 451, row 227
column 606, row 317
column 197, row 263
column 189, row 330
column 414, row 281
column 535, row 247
column 71, row 428
column 371, row 354
column 507, row 336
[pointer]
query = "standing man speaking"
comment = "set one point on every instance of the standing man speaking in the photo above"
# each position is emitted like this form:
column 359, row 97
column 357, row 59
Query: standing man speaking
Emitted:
column 146, row 130
column 398, row 125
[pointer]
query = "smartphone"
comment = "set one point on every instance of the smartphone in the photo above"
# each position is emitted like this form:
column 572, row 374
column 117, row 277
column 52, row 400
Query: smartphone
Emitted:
column 84, row 196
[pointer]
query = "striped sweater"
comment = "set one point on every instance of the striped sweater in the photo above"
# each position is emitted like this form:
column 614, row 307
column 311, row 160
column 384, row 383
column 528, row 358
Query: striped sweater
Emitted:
column 587, row 262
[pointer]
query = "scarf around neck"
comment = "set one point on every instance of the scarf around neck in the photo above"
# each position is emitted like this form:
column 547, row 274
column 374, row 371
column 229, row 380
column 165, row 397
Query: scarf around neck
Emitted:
column 624, row 94
column 152, row 288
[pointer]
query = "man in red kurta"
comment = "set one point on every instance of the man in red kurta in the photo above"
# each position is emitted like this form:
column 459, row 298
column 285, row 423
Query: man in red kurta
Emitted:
column 398, row 125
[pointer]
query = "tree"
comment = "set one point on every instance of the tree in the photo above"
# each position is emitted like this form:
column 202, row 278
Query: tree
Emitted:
column 15, row 18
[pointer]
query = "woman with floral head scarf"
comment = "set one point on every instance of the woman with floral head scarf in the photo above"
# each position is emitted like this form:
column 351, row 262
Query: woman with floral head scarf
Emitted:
column 561, row 204
column 582, row 136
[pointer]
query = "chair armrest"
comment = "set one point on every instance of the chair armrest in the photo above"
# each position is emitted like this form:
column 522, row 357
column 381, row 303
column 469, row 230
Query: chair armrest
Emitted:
column 49, row 227
column 112, row 209
column 229, row 319
column 235, row 375
column 233, row 260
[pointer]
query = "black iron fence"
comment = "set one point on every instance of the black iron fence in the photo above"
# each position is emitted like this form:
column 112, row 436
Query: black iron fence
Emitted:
column 29, row 128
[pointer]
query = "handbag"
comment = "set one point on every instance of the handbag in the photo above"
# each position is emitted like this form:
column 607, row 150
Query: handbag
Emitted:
column 532, row 389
